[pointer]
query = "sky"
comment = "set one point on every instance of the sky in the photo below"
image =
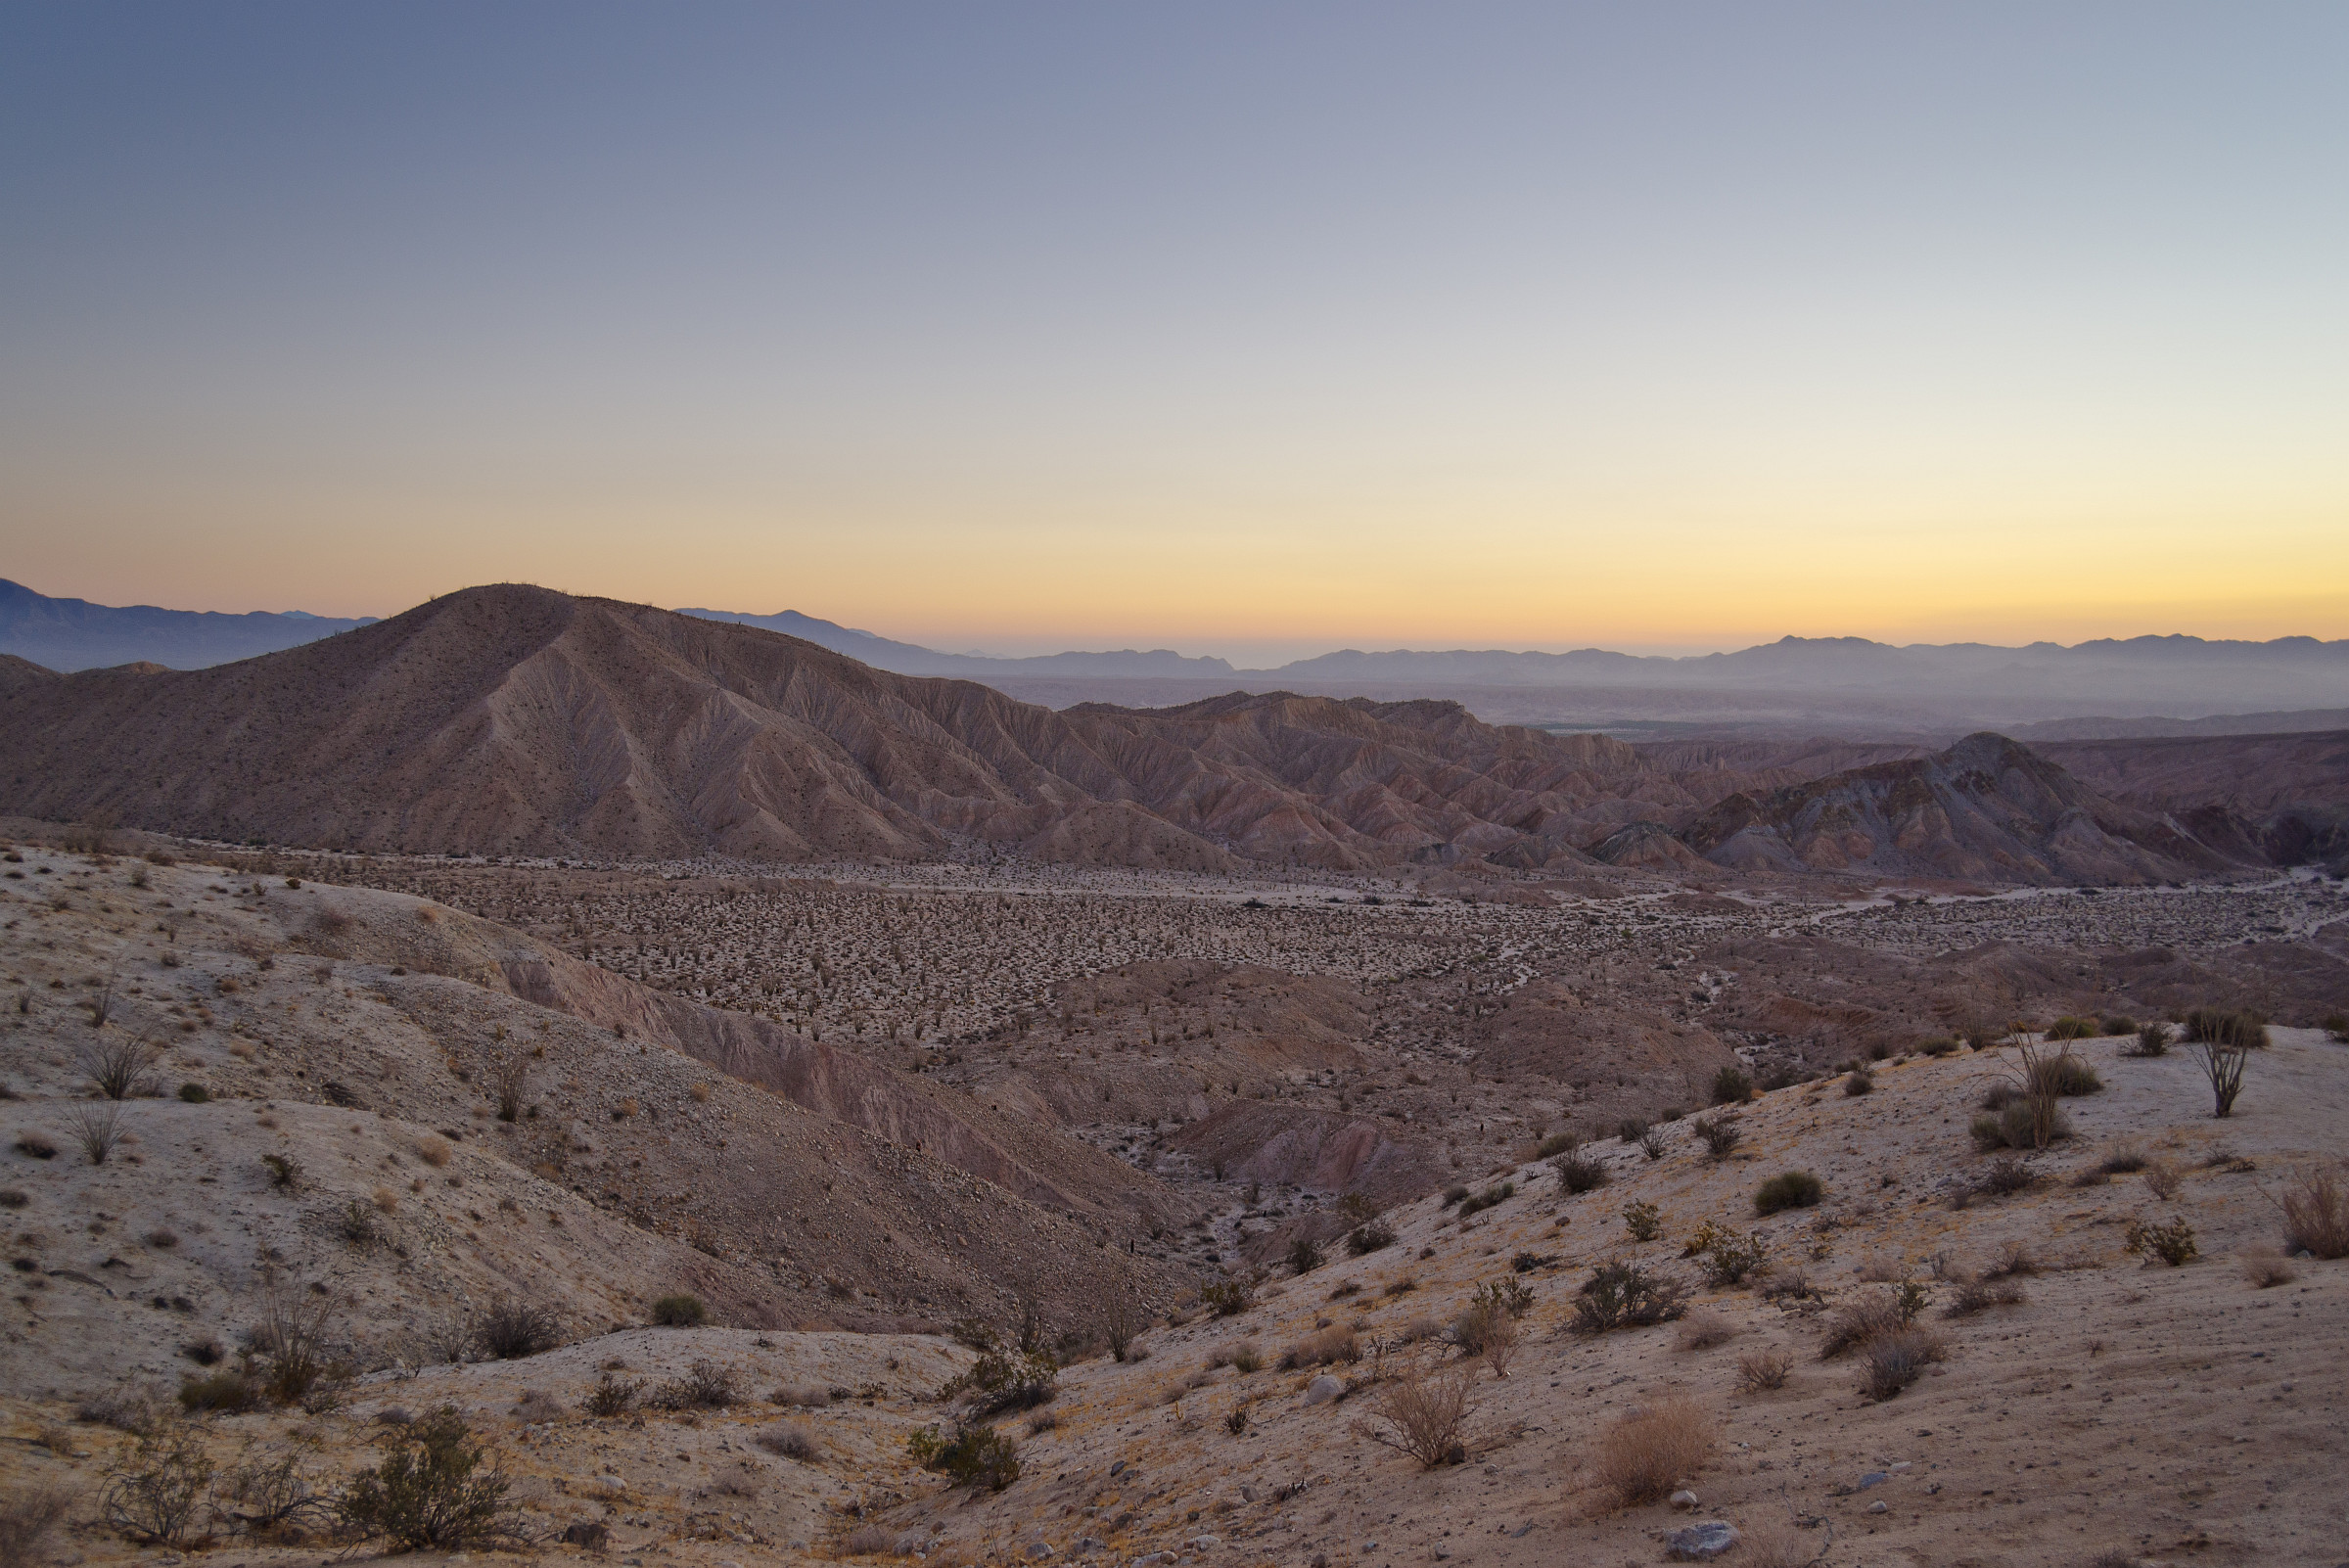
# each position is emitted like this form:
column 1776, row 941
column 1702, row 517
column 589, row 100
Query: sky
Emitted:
column 1255, row 330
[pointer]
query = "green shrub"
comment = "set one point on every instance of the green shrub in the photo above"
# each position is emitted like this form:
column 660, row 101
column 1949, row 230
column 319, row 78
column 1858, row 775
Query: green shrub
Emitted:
column 1492, row 1197
column 2113, row 1024
column 283, row 1172
column 1731, row 1257
column 1858, row 1082
column 1622, row 1295
column 1731, row 1087
column 1720, row 1135
column 2336, row 1027
column 1631, row 1129
column 1305, row 1255
column 1227, row 1298
column 2011, row 1127
column 974, row 1456
column 1454, row 1194
column 510, row 1330
column 2072, row 1027
column 432, row 1492
column 1643, row 1222
column 195, row 1094
column 1942, row 1046
column 1788, row 1190
column 1558, row 1143
column 2219, row 1025
column 1006, row 1379
column 613, row 1395
column 679, row 1311
column 1503, row 1295
column 2152, row 1040
column 1366, row 1239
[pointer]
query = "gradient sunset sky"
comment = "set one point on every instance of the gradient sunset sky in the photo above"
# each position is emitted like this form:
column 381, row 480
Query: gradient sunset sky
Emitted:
column 1255, row 330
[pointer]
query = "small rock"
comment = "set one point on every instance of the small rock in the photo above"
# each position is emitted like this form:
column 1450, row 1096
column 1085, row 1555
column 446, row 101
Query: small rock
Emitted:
column 1700, row 1543
column 1087, row 1544
column 1321, row 1390
column 1117, row 1469
column 1684, row 1499
column 1204, row 1542
column 1903, row 1465
column 589, row 1533
column 1879, row 1507
column 1038, row 1551
column 1873, row 1478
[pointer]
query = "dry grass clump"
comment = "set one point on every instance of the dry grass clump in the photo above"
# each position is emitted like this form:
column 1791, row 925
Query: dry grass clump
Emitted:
column 1644, row 1456
column 801, row 1396
column 1890, row 1362
column 1322, row 1347
column 788, row 1440
column 1982, row 1293
column 1778, row 1543
column 2268, row 1269
column 1856, row 1323
column 2316, row 1215
column 28, row 1513
column 1702, row 1330
column 1760, row 1371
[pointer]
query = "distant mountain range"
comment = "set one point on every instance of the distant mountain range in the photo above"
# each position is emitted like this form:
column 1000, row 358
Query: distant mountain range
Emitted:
column 2289, row 683
column 67, row 634
column 517, row 721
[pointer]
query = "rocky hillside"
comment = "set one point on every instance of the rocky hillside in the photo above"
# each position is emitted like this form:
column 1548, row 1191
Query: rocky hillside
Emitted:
column 514, row 720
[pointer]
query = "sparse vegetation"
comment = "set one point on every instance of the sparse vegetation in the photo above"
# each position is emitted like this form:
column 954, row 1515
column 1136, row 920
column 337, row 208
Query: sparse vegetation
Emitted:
column 97, row 1127
column 2316, row 1215
column 1372, row 1236
column 788, row 1440
column 2238, row 1029
column 1424, row 1415
column 1702, row 1330
column 2072, row 1027
column 974, row 1456
column 510, row 1330
column 1788, row 1190
column 1858, row 1082
column 1227, row 1298
column 1732, row 1086
column 1492, row 1197
column 679, row 1311
column 2004, row 1176
column 284, row 1174
column 1649, row 1452
column 1580, row 1172
column 706, row 1386
column 156, row 1492
column 2223, row 1063
column 1763, row 1370
column 1720, row 1135
column 119, row 1066
column 2267, row 1268
column 1305, row 1255
column 29, row 1513
column 1889, row 1362
column 2152, row 1040
column 1642, row 1222
column 613, row 1395
column 2172, row 1241
column 1624, row 1295
column 1004, row 1378
column 436, row 1490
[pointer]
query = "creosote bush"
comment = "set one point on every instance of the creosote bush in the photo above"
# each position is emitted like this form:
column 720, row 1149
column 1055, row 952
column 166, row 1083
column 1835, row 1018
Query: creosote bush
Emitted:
column 613, row 1395
column 1580, row 1172
column 2152, row 1040
column 1642, row 1222
column 510, row 1330
column 706, row 1386
column 1365, row 1240
column 1890, row 1362
column 156, row 1492
column 433, row 1491
column 1227, row 1298
column 974, row 1455
column 1788, row 1190
column 1732, row 1086
column 1858, row 1082
column 1624, row 1295
column 28, row 1513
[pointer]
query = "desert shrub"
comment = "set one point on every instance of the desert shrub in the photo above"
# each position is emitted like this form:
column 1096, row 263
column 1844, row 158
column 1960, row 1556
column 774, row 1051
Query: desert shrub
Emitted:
column 2066, row 1075
column 681, row 1312
column 1702, row 1330
column 1006, row 1379
column 1721, row 1133
column 357, row 1224
column 1631, row 1129
column 2012, row 1127
column 801, row 1396
column 974, row 1456
column 706, row 1386
column 1728, row 1258
column 28, row 1513
column 1558, row 1143
column 33, row 1146
column 510, row 1330
column 1858, row 1082
column 2336, row 1027
column 2222, row 1064
column 226, row 1392
column 2172, row 1242
column 613, row 1395
column 120, row 1409
column 1366, row 1239
column 1787, row 1284
column 1732, row 1086
column 1642, row 1222
column 2163, row 1179
column 1759, row 1372
column 1305, row 1255
column 195, row 1094
column 1324, row 1346
column 1942, row 1046
column 2112, row 1024
column 294, row 1336
column 2072, row 1027
column 97, row 1127
column 1227, row 1298
column 2316, row 1215
column 2266, row 1268
column 2007, row 1174
column 788, row 1440
column 1454, row 1194
column 1982, row 1293
column 1788, row 1190
column 1236, row 1423
column 283, row 1172
column 1854, row 1325
column 2124, row 1157
column 1244, row 1358
column 2013, row 1259
column 1890, row 1362
column 119, row 1066
column 1504, row 1294
column 1651, row 1144
column 1644, row 1454
column 1492, row 1197
column 1580, row 1172
column 1422, row 1414
column 1622, row 1295
column 432, row 1492
column 2152, row 1040
column 13, row 1198
column 2239, row 1028
column 156, row 1492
